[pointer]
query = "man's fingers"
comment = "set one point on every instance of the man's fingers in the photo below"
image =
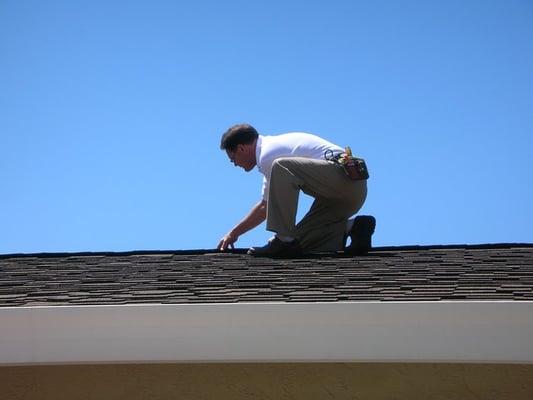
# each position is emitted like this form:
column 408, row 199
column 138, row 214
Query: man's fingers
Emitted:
column 225, row 242
column 223, row 245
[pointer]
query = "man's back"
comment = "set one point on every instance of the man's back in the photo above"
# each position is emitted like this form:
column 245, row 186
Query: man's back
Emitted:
column 293, row 144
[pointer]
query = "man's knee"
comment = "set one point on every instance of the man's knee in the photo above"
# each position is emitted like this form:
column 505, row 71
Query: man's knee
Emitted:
column 281, row 169
column 282, row 162
column 281, row 166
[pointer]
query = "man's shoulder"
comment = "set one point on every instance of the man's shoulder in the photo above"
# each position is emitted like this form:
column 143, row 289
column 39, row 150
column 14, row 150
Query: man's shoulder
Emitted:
column 288, row 139
column 272, row 147
column 280, row 142
column 289, row 135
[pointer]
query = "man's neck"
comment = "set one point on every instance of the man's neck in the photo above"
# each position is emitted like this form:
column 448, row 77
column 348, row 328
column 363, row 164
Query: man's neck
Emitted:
column 254, row 151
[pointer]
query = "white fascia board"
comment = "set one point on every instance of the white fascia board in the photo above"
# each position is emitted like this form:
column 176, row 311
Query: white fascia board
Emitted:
column 468, row 331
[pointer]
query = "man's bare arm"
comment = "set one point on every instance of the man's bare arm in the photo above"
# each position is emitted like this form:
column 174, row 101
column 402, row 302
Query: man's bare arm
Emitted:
column 256, row 215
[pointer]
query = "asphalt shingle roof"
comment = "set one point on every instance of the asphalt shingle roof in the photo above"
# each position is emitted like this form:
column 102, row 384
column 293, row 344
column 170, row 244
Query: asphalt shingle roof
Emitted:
column 432, row 273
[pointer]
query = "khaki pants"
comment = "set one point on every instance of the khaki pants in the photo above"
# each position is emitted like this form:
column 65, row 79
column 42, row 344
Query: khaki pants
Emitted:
column 337, row 198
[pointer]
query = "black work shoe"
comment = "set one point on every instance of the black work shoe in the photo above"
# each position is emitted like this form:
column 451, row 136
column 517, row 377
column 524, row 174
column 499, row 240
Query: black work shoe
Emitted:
column 361, row 235
column 277, row 248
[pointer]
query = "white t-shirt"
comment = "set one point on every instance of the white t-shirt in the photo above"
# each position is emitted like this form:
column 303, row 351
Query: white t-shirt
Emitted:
column 294, row 144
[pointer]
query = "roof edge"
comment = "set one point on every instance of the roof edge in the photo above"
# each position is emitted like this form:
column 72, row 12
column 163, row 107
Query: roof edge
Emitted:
column 374, row 250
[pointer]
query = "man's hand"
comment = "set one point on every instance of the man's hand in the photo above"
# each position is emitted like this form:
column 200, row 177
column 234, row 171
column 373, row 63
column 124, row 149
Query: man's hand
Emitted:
column 227, row 241
column 256, row 215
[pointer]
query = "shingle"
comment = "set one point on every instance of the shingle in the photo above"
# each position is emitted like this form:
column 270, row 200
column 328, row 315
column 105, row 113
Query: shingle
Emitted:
column 432, row 273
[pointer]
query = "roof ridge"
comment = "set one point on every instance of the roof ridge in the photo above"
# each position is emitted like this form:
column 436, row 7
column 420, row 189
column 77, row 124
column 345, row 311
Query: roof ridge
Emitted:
column 243, row 251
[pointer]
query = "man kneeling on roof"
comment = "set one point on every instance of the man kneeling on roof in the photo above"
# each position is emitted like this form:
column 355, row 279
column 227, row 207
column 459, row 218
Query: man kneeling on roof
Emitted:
column 297, row 161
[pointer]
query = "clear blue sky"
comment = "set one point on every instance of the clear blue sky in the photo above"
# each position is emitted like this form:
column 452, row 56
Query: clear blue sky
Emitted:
column 111, row 114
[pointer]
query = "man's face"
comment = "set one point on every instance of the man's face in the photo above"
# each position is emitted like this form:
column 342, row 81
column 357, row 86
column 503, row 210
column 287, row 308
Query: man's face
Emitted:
column 242, row 157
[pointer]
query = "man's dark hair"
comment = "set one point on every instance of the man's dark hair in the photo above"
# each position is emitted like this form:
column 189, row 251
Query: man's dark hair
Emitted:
column 236, row 135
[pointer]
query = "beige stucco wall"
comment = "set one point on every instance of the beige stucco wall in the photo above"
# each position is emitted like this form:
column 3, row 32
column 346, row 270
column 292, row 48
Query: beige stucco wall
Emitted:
column 268, row 381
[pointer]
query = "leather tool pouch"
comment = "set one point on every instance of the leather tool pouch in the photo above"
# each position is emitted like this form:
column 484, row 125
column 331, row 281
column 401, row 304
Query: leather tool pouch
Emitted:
column 354, row 167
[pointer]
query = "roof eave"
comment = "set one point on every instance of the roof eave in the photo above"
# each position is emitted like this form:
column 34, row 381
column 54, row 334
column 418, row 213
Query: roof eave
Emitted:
column 469, row 331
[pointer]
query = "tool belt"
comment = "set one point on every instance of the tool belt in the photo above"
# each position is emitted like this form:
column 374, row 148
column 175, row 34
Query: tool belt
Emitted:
column 354, row 167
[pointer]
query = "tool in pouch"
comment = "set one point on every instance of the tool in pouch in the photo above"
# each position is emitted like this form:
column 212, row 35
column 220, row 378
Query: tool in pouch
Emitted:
column 354, row 167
